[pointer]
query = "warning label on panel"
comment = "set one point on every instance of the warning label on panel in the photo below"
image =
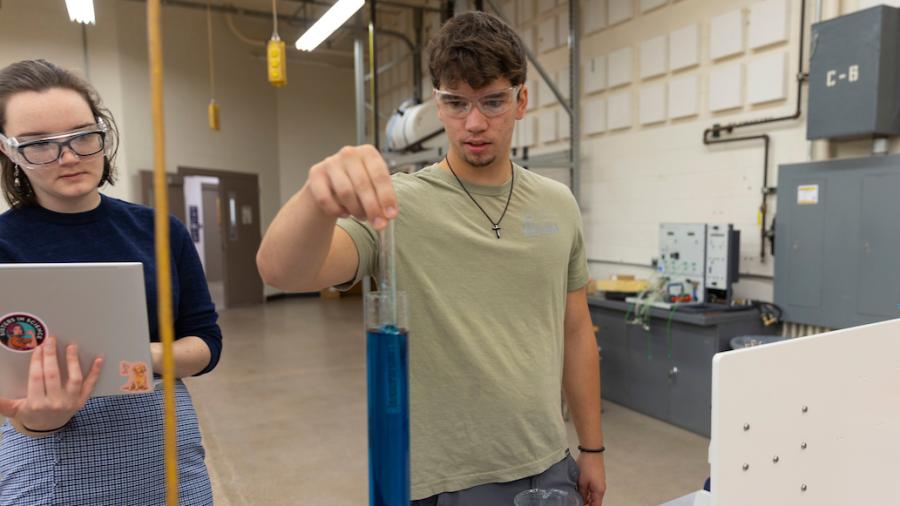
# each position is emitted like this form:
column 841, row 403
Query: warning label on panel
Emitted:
column 808, row 195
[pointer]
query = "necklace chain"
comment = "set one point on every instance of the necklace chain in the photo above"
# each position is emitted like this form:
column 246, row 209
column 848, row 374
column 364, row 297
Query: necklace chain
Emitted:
column 495, row 226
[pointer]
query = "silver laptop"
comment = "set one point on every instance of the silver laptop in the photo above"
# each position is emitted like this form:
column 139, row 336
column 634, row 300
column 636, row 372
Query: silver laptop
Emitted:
column 101, row 307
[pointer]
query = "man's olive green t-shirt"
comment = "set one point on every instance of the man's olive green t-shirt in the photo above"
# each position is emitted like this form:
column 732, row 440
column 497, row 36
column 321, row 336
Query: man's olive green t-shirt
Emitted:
column 485, row 324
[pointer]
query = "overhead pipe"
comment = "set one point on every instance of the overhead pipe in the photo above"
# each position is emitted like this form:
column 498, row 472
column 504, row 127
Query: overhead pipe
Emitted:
column 418, row 23
column 575, row 98
column 359, row 58
column 712, row 135
column 373, row 65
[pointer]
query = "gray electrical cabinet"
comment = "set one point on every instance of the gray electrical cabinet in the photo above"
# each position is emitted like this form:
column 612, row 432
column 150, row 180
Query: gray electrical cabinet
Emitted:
column 854, row 75
column 837, row 241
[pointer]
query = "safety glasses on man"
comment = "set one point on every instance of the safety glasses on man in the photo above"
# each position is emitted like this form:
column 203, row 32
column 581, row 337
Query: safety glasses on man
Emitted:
column 32, row 152
column 491, row 103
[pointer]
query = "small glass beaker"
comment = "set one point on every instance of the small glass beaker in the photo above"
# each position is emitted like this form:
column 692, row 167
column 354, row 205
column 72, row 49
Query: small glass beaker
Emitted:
column 552, row 497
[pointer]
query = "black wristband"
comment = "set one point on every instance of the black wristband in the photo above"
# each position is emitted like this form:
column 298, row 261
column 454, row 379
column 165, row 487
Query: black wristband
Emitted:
column 591, row 450
column 44, row 431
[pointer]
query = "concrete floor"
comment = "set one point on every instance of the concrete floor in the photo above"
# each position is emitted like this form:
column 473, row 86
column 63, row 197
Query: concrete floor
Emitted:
column 284, row 416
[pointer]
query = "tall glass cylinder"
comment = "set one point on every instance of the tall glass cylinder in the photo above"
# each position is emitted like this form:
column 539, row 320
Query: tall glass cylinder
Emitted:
column 388, row 389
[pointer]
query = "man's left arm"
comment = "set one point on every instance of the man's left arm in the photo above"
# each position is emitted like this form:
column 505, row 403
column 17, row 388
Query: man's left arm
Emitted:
column 581, row 383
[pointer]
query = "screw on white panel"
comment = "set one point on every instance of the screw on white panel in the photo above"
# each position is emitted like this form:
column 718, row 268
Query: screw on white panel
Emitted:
column 746, row 427
column 746, row 467
column 802, row 446
column 805, row 409
column 775, row 459
column 803, row 487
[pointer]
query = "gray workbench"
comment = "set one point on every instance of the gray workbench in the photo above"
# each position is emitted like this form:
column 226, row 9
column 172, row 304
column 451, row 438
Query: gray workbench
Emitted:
column 665, row 372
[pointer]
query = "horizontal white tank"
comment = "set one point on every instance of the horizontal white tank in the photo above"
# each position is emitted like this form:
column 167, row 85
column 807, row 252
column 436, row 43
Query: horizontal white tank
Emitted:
column 413, row 122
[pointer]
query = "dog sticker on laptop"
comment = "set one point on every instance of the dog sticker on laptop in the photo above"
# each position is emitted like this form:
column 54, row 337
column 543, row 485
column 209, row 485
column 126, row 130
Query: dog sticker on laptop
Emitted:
column 138, row 375
column 22, row 332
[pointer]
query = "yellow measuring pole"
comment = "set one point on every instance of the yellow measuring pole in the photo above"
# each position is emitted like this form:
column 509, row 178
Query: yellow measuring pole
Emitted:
column 163, row 262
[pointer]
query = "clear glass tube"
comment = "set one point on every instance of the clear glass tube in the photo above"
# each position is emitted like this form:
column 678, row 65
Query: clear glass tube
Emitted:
column 387, row 273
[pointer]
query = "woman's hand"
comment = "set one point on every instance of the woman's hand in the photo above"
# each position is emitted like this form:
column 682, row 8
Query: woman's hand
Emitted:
column 49, row 403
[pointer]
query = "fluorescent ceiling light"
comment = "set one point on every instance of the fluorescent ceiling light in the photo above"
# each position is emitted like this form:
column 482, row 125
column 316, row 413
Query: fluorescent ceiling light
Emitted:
column 81, row 11
column 336, row 16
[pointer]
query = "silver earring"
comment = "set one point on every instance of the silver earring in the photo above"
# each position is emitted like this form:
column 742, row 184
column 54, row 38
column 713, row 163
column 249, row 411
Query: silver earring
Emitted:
column 17, row 182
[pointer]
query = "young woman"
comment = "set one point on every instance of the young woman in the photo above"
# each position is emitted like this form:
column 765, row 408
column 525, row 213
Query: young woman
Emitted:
column 57, row 148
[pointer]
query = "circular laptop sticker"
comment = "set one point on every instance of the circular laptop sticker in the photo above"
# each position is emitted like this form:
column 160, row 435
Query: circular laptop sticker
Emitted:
column 22, row 331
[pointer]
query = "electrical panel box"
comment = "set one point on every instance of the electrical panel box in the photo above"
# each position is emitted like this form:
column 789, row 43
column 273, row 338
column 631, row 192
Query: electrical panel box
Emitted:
column 723, row 250
column 682, row 259
column 700, row 261
column 837, row 241
column 854, row 75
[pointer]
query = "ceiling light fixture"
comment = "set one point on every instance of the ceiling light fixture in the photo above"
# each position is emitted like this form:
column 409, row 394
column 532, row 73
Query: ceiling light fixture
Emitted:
column 81, row 11
column 336, row 16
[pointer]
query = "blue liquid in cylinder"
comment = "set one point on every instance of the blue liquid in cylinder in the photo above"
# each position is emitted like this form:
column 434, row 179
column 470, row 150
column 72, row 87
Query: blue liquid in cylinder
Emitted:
column 388, row 388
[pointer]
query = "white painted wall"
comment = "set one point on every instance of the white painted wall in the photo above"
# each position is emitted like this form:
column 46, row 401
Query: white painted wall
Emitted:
column 117, row 54
column 635, row 178
column 275, row 133
column 653, row 171
column 43, row 30
column 248, row 139
column 316, row 117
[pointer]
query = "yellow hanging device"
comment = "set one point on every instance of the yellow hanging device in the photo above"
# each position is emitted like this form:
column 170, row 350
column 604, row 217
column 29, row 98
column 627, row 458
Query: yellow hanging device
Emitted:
column 213, row 113
column 276, row 55
column 275, row 58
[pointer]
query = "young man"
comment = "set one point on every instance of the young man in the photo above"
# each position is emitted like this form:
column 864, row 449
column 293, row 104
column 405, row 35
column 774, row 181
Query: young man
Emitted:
column 492, row 259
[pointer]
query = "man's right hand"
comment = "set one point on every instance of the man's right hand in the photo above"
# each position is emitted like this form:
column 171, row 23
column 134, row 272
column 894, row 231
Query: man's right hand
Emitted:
column 354, row 182
column 303, row 250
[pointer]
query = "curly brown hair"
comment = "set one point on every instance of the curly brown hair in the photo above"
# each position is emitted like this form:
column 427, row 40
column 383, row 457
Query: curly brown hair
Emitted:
column 476, row 48
column 38, row 76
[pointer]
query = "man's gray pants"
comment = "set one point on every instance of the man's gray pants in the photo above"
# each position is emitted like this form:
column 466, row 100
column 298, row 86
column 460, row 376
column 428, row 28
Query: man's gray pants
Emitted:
column 563, row 476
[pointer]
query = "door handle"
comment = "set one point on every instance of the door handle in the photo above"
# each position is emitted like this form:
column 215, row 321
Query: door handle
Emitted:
column 673, row 373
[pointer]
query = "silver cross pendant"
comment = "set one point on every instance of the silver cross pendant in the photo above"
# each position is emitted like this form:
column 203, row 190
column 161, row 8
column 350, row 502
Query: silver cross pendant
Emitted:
column 496, row 229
